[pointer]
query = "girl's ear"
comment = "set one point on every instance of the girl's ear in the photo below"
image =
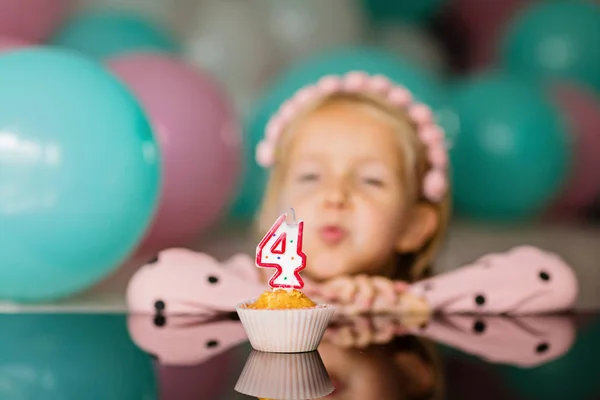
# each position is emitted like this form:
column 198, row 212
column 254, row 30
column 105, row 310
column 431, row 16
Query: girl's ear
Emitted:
column 422, row 224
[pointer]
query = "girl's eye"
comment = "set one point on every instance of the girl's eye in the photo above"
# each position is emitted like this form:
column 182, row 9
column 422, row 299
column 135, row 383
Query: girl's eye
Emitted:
column 373, row 181
column 309, row 177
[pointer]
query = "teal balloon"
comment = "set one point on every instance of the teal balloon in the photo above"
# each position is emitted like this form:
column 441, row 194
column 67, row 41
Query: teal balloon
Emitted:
column 106, row 34
column 79, row 174
column 573, row 376
column 249, row 195
column 555, row 39
column 402, row 10
column 512, row 154
column 425, row 88
column 72, row 356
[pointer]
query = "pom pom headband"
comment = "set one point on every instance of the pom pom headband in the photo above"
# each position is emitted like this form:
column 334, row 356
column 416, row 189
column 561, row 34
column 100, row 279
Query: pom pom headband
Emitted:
column 435, row 183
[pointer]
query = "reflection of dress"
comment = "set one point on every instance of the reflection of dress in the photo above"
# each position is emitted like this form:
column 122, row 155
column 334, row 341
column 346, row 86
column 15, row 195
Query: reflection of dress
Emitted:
column 526, row 341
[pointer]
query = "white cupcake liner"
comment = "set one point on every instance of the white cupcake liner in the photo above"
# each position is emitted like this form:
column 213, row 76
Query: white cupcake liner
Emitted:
column 285, row 331
column 284, row 376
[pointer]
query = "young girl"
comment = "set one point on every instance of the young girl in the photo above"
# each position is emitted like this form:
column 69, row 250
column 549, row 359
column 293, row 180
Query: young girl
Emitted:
column 365, row 166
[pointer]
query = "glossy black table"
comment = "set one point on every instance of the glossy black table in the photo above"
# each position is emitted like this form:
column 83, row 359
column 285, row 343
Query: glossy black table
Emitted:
column 112, row 356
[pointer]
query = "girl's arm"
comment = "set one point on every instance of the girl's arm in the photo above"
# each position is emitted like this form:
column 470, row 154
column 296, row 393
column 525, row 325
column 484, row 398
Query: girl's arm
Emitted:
column 524, row 280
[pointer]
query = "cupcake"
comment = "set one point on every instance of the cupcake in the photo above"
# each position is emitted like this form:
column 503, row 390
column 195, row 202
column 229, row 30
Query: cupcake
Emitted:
column 283, row 319
column 284, row 376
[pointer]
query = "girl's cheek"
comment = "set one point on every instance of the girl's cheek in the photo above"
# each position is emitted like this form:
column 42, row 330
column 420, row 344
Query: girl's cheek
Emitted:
column 382, row 217
column 373, row 221
column 303, row 203
column 303, row 196
column 290, row 194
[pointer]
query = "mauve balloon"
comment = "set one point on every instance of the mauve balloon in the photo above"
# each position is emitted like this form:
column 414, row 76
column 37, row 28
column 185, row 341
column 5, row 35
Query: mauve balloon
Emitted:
column 581, row 108
column 200, row 141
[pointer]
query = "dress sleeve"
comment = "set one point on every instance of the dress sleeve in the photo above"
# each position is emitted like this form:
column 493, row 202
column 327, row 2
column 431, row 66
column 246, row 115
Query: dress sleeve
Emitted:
column 524, row 280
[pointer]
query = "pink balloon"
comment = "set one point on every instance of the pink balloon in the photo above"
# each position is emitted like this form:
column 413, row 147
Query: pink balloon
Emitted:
column 582, row 111
column 485, row 23
column 200, row 141
column 31, row 20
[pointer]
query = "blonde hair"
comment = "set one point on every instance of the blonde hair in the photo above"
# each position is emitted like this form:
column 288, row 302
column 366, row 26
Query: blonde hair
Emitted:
column 410, row 267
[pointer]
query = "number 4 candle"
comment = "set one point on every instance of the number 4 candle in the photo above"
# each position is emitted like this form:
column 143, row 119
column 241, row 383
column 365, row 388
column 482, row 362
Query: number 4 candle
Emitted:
column 281, row 249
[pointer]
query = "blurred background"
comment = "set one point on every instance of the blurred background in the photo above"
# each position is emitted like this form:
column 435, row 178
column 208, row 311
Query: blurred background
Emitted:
column 129, row 126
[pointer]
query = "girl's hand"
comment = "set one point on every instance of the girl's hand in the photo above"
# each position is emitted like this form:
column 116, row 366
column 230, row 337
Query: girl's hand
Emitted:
column 362, row 293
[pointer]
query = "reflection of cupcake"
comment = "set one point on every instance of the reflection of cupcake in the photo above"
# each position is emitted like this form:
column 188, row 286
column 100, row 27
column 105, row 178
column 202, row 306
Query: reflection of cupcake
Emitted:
column 284, row 376
column 284, row 320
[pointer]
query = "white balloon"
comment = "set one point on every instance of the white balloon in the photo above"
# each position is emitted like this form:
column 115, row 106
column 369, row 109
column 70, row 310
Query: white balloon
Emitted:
column 414, row 43
column 304, row 27
column 229, row 39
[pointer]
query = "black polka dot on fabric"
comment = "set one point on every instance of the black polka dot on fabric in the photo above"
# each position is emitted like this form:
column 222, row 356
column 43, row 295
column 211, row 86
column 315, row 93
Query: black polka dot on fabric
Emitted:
column 212, row 343
column 160, row 320
column 159, row 305
column 213, row 279
column 544, row 276
column 542, row 348
column 480, row 299
column 479, row 327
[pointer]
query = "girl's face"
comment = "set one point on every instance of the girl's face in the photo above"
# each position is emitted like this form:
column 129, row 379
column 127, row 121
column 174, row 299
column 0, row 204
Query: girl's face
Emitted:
column 370, row 374
column 345, row 181
column 359, row 375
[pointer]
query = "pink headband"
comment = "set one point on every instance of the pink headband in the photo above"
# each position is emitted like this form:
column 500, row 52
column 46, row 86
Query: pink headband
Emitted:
column 435, row 183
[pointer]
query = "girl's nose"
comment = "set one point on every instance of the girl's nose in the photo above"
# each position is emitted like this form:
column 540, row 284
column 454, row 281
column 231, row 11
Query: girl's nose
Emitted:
column 336, row 196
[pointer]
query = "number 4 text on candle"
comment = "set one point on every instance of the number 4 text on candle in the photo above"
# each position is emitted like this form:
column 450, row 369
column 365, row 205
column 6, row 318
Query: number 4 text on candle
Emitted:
column 281, row 249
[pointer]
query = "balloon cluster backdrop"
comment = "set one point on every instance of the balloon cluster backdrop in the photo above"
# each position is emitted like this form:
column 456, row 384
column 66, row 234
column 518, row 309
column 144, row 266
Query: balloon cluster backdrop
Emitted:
column 127, row 127
column 110, row 145
column 549, row 47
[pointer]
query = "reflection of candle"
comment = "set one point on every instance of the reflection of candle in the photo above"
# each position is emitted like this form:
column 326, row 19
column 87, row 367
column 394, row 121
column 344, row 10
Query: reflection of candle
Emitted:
column 281, row 248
